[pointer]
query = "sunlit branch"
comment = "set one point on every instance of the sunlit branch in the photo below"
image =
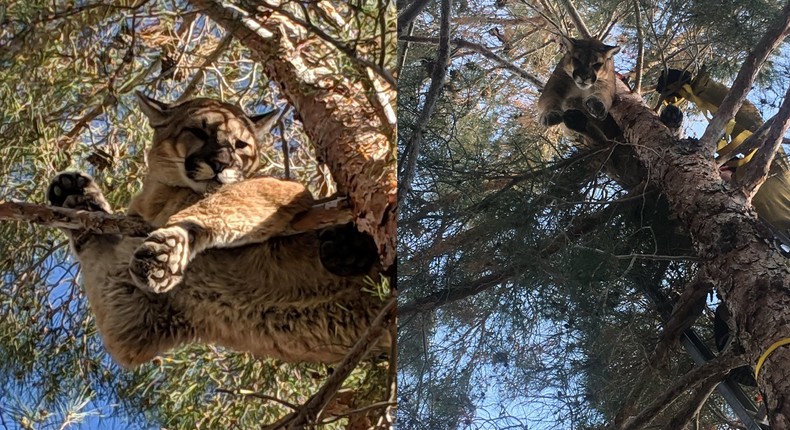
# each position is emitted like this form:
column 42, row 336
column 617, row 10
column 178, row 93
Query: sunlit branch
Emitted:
column 322, row 215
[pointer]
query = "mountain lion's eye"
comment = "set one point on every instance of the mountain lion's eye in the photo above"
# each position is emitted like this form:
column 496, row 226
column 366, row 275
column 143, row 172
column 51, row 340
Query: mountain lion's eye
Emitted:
column 199, row 133
column 597, row 66
column 240, row 144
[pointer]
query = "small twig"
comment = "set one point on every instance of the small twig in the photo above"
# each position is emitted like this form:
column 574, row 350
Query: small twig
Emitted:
column 359, row 411
column 222, row 46
column 745, row 79
column 310, row 410
column 286, row 147
column 247, row 393
column 640, row 43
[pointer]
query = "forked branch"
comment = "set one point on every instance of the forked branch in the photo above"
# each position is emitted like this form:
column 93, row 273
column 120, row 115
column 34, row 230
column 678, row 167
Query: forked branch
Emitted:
column 745, row 79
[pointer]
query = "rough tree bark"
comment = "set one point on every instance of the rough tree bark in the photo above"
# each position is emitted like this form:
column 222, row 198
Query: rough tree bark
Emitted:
column 347, row 129
column 734, row 247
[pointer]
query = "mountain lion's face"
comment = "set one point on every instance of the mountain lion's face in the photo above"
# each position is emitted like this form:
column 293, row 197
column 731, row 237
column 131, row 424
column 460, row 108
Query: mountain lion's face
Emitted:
column 202, row 142
column 588, row 60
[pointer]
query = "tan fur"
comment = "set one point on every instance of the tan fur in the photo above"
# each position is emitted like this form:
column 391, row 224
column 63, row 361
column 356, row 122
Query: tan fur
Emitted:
column 237, row 285
column 584, row 79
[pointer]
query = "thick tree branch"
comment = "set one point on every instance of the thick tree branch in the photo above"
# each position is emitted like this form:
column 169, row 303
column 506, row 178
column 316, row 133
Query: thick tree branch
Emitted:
column 745, row 79
column 715, row 369
column 758, row 167
column 307, row 414
column 412, row 148
column 320, row 216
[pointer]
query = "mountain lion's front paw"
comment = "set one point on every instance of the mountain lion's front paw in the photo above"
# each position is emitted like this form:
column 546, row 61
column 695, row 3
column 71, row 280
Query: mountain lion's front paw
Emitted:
column 550, row 118
column 596, row 108
column 159, row 263
column 75, row 190
column 345, row 251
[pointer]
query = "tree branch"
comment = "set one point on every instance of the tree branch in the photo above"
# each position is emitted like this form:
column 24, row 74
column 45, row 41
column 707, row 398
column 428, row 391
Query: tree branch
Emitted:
column 640, row 43
column 745, row 79
column 322, row 215
column 434, row 91
column 578, row 22
column 692, row 409
column 758, row 167
column 453, row 293
column 410, row 13
column 715, row 369
column 484, row 51
column 308, row 413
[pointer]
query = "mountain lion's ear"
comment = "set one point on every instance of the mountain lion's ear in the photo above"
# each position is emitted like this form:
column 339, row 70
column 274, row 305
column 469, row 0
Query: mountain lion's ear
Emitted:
column 264, row 123
column 610, row 50
column 567, row 42
column 156, row 111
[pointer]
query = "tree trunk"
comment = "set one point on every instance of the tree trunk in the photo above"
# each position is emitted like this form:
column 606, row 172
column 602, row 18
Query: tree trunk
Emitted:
column 734, row 247
column 341, row 114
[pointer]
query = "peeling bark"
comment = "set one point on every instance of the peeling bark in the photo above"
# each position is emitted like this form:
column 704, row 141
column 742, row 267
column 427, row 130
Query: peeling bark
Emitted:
column 345, row 128
column 733, row 245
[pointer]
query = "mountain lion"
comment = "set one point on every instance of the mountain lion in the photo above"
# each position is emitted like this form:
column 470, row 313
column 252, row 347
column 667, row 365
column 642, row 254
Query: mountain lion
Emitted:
column 214, row 270
column 584, row 77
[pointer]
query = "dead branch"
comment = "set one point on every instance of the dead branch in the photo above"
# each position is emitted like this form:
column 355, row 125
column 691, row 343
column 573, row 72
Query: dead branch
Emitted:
column 745, row 79
column 412, row 149
column 308, row 413
column 322, row 215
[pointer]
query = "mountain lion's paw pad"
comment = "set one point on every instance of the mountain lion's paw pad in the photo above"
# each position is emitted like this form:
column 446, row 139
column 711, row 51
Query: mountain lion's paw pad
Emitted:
column 76, row 190
column 159, row 263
